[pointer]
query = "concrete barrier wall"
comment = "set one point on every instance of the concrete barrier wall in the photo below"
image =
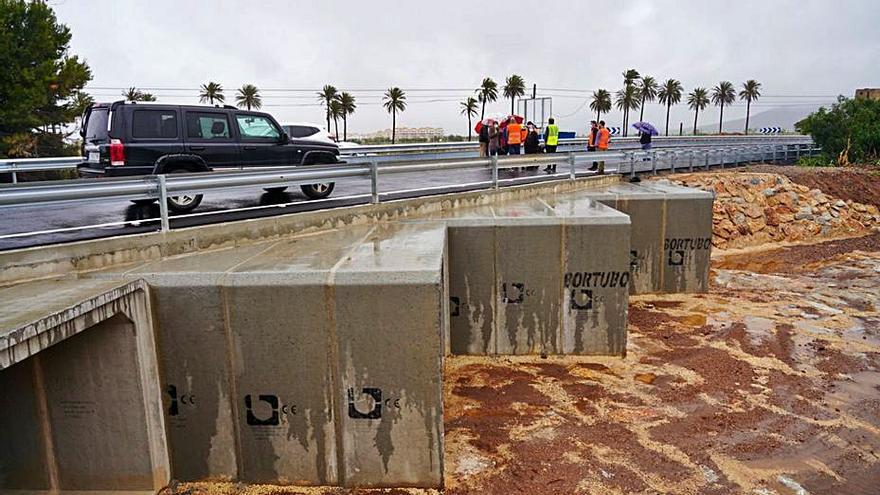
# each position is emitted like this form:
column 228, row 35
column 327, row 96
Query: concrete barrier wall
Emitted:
column 80, row 409
column 313, row 360
column 77, row 257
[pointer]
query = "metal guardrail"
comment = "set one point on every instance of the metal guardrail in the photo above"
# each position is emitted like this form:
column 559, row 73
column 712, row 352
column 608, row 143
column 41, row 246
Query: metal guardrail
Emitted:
column 160, row 187
column 432, row 151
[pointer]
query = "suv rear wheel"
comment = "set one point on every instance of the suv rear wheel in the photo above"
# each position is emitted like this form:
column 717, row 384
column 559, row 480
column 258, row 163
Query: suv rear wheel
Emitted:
column 318, row 191
column 184, row 203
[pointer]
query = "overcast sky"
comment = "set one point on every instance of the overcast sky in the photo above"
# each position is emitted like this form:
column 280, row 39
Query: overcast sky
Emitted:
column 803, row 52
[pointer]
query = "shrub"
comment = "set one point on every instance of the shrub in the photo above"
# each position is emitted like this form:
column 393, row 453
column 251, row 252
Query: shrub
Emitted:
column 849, row 131
column 821, row 160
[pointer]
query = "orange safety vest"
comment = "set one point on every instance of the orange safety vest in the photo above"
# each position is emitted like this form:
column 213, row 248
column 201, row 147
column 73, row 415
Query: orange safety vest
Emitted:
column 514, row 133
column 604, row 138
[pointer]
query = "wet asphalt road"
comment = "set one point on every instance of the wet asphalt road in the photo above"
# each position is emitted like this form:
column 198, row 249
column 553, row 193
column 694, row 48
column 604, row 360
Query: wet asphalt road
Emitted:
column 348, row 192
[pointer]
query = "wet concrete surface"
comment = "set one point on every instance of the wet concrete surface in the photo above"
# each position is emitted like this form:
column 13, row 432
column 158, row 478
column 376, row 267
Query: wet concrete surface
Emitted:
column 51, row 217
column 768, row 384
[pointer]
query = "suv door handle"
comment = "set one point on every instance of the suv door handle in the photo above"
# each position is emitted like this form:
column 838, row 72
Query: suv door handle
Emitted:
column 250, row 147
column 196, row 148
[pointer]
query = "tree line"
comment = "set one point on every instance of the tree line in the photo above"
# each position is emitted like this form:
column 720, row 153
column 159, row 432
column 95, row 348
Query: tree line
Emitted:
column 638, row 90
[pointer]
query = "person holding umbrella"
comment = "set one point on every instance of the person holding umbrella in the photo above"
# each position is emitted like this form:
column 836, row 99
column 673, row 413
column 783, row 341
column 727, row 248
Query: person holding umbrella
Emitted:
column 646, row 130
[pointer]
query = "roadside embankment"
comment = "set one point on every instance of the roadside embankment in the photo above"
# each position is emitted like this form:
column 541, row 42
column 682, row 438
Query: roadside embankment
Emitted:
column 752, row 209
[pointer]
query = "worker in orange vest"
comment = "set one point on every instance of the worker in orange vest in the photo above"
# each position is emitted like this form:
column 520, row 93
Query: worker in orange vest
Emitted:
column 603, row 140
column 514, row 136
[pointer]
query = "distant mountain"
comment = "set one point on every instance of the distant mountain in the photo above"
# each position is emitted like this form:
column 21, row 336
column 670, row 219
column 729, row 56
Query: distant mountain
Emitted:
column 774, row 117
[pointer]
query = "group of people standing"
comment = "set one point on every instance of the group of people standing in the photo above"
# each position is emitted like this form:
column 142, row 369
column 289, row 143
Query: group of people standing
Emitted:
column 514, row 137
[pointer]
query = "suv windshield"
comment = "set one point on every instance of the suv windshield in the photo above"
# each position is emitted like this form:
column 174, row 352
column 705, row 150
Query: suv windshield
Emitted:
column 96, row 125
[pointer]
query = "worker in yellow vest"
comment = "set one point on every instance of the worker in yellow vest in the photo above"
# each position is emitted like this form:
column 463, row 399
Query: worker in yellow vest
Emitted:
column 514, row 136
column 551, row 141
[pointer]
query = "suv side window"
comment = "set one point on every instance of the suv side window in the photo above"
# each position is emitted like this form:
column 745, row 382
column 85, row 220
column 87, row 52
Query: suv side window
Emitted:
column 207, row 125
column 154, row 124
column 301, row 131
column 257, row 128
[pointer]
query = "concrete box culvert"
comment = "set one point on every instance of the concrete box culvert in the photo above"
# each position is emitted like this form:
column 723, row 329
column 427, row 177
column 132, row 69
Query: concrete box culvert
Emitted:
column 595, row 276
column 646, row 209
column 509, row 268
column 687, row 238
column 314, row 360
column 87, row 384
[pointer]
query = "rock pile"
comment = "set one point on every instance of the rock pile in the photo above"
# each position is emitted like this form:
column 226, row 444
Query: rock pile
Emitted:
column 752, row 209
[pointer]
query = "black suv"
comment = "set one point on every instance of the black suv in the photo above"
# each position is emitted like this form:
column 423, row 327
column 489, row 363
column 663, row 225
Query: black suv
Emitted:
column 123, row 138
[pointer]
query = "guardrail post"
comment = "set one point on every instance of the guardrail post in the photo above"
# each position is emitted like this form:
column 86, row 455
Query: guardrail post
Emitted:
column 493, row 161
column 723, row 152
column 707, row 159
column 374, row 181
column 672, row 161
column 786, row 154
column 691, row 161
column 163, row 203
column 737, row 157
column 14, row 175
column 571, row 165
column 653, row 162
column 797, row 152
column 632, row 165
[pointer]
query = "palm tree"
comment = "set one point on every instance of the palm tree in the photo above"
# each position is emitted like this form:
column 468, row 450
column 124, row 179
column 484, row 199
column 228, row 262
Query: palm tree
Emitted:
column 211, row 92
column 134, row 94
column 394, row 101
column 514, row 86
column 348, row 108
column 627, row 99
column 751, row 91
column 248, row 96
column 629, row 78
column 723, row 94
column 326, row 96
column 648, row 89
column 601, row 102
column 670, row 94
column 336, row 112
column 469, row 108
column 487, row 92
column 698, row 100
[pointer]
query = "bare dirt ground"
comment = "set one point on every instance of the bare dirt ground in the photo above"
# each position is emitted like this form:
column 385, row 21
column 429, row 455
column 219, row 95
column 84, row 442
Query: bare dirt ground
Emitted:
column 861, row 185
column 769, row 384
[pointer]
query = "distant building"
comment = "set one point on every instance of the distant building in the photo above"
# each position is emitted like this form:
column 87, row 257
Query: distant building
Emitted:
column 868, row 93
column 409, row 133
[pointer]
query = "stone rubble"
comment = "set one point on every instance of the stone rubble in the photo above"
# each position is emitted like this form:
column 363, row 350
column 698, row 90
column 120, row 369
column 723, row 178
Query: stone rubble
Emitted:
column 756, row 208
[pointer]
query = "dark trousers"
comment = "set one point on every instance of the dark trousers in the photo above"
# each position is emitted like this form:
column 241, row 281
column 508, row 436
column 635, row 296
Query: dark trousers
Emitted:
column 550, row 149
column 595, row 164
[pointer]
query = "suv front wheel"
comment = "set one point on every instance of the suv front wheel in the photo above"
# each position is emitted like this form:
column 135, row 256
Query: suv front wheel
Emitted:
column 184, row 203
column 318, row 191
